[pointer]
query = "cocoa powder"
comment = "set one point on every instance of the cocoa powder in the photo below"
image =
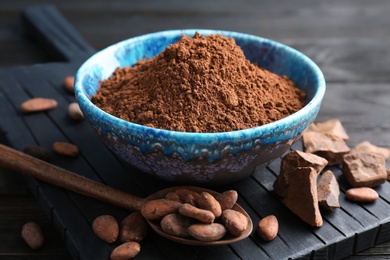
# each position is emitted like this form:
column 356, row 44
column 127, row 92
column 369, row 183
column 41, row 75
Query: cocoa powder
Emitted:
column 199, row 84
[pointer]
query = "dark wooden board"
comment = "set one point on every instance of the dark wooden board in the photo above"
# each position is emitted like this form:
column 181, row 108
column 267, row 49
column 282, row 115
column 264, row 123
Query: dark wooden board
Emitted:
column 62, row 41
column 350, row 229
column 346, row 231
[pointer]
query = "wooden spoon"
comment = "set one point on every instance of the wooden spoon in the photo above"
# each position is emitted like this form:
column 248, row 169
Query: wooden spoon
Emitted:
column 23, row 163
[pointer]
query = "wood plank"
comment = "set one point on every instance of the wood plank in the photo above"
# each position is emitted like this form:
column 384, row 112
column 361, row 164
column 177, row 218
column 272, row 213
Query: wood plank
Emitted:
column 68, row 211
column 343, row 220
column 56, row 34
column 19, row 211
column 108, row 171
column 291, row 230
column 346, row 60
column 68, row 206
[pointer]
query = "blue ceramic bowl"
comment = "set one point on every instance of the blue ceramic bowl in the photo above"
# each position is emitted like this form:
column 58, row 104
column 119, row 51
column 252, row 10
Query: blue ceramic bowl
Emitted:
column 199, row 158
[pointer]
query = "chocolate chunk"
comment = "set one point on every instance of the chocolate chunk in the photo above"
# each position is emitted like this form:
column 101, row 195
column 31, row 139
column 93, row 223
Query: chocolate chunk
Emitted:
column 328, row 191
column 301, row 196
column 297, row 158
column 331, row 126
column 326, row 145
column 364, row 169
column 290, row 162
column 367, row 147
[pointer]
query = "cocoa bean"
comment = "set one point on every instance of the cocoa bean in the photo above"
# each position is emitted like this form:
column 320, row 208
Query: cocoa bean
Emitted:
column 188, row 196
column 69, row 84
column 227, row 199
column 32, row 235
column 234, row 221
column 208, row 202
column 207, row 232
column 203, row 215
column 172, row 196
column 133, row 228
column 37, row 152
column 268, row 228
column 362, row 194
column 128, row 250
column 65, row 149
column 38, row 105
column 159, row 208
column 106, row 228
column 75, row 112
column 176, row 225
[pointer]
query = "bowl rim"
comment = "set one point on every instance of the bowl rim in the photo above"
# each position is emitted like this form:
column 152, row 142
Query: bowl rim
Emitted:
column 87, row 105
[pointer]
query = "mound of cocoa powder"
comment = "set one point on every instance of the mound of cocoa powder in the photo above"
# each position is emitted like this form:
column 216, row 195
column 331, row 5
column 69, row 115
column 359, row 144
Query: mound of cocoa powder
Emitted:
column 199, row 84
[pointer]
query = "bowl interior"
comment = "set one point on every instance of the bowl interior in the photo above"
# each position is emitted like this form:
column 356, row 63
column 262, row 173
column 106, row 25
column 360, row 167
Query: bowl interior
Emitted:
column 269, row 54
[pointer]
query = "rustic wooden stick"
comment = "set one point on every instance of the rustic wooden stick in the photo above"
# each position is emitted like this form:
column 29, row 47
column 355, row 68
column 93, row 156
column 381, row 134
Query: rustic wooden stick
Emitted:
column 23, row 163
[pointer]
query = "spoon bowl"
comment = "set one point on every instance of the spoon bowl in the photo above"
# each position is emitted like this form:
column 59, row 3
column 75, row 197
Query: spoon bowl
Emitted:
column 23, row 163
column 227, row 239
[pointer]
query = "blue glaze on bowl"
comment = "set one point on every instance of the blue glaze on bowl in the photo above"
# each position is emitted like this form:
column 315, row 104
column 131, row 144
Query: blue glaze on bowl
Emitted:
column 199, row 157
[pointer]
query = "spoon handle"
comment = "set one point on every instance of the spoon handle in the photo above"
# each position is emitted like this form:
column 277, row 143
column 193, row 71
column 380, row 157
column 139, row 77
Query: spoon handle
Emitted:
column 23, row 163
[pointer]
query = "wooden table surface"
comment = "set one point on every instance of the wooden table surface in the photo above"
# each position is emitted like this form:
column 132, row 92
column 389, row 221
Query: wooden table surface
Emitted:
column 349, row 40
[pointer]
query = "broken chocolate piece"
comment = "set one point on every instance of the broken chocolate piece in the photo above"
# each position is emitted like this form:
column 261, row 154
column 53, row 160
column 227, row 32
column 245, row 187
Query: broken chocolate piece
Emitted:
column 301, row 196
column 332, row 126
column 290, row 162
column 328, row 191
column 297, row 158
column 367, row 147
column 326, row 145
column 364, row 169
